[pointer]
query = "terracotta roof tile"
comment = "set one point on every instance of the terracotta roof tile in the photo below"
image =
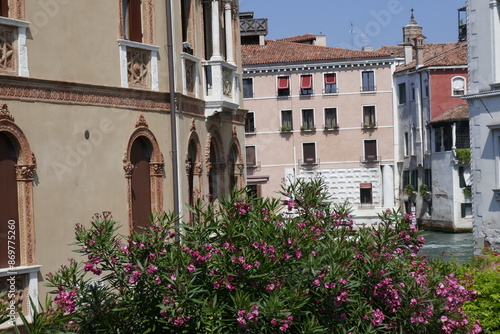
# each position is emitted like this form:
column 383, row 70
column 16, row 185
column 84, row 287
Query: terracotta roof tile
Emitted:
column 281, row 51
column 299, row 39
column 435, row 54
column 457, row 113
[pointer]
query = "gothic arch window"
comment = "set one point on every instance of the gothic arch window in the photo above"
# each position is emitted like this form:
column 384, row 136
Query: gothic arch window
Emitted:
column 144, row 166
column 17, row 231
column 235, row 165
column 193, row 170
column 215, row 165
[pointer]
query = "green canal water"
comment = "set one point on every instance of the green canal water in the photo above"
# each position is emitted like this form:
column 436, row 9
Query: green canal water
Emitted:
column 459, row 246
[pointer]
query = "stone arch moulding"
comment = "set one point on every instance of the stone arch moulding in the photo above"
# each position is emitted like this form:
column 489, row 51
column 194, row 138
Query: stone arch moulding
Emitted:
column 195, row 166
column 156, row 167
column 215, row 169
column 25, row 172
column 237, row 167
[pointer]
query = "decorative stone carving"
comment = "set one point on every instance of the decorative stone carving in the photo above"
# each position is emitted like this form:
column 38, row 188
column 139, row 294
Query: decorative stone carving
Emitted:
column 198, row 168
column 227, row 82
column 138, row 66
column 128, row 168
column 192, row 127
column 141, row 122
column 157, row 168
column 25, row 172
column 7, row 52
column 5, row 114
column 190, row 76
column 234, row 131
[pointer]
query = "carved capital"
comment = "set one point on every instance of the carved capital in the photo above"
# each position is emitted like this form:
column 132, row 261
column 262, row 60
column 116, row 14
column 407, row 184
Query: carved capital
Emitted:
column 25, row 172
column 5, row 114
column 128, row 168
column 156, row 168
column 188, row 166
column 198, row 168
column 239, row 168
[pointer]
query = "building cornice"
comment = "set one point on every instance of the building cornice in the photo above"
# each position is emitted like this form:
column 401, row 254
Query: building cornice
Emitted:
column 277, row 68
column 481, row 95
column 29, row 89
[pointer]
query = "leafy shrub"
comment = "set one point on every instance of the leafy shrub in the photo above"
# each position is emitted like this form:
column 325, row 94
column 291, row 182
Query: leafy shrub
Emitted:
column 254, row 265
column 486, row 306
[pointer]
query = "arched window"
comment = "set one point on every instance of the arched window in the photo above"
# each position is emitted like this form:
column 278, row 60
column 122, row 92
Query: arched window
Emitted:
column 458, row 86
column 235, row 164
column 9, row 215
column 17, row 230
column 143, row 167
column 140, row 156
column 215, row 165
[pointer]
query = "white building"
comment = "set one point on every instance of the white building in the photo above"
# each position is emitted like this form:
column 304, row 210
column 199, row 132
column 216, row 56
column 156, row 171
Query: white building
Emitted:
column 483, row 25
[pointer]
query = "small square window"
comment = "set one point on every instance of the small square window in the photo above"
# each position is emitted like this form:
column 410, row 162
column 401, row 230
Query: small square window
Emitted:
column 369, row 120
column 247, row 88
column 308, row 119
column 331, row 83
column 250, row 155
column 283, row 86
column 402, row 93
column 309, row 153
column 286, row 120
column 250, row 122
column 306, row 87
column 331, row 118
column 368, row 81
column 466, row 209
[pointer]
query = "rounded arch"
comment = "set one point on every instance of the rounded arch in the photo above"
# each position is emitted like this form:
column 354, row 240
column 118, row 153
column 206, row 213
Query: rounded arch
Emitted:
column 25, row 169
column 194, row 169
column 235, row 164
column 215, row 163
column 143, row 156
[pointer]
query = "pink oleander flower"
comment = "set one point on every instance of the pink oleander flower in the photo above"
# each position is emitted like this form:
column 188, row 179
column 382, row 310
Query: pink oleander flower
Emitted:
column 270, row 287
column 191, row 267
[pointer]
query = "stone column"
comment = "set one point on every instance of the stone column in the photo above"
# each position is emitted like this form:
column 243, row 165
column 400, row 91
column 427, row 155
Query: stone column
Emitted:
column 495, row 40
column 388, row 185
column 454, row 136
column 215, row 31
column 229, row 32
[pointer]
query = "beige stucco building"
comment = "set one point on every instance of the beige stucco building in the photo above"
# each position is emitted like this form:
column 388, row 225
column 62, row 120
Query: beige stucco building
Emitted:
column 85, row 121
column 316, row 110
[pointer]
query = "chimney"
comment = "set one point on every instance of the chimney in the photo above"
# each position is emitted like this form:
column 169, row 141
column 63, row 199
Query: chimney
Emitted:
column 367, row 48
column 320, row 40
column 419, row 49
column 408, row 54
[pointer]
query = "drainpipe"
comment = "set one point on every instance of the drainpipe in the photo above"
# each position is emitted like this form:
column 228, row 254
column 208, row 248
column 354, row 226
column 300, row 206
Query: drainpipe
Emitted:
column 173, row 118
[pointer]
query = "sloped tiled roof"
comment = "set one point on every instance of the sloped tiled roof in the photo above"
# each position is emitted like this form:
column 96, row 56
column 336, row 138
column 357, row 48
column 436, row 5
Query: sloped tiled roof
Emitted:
column 284, row 51
column 457, row 113
column 435, row 54
column 299, row 39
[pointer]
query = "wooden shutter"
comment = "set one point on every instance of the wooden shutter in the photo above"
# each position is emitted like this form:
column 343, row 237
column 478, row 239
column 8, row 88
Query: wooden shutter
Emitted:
column 309, row 151
column 9, row 217
column 141, row 183
column 4, row 8
column 135, row 20
column 250, row 153
column 370, row 149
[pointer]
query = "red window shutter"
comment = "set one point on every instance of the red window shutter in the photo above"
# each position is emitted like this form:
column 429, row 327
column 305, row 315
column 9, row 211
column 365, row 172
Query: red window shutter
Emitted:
column 365, row 185
column 330, row 79
column 306, row 82
column 283, row 83
column 135, row 21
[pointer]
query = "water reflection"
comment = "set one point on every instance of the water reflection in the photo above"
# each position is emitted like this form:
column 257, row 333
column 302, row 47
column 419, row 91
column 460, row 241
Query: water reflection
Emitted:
column 459, row 246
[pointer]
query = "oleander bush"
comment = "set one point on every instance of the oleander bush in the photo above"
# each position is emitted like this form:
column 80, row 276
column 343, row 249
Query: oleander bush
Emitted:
column 261, row 265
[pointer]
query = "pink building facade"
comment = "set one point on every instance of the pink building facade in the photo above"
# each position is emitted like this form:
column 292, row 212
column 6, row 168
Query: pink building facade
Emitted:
column 317, row 111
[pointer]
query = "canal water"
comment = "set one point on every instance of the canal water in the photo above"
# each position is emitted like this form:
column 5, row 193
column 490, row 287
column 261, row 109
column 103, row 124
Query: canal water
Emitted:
column 458, row 246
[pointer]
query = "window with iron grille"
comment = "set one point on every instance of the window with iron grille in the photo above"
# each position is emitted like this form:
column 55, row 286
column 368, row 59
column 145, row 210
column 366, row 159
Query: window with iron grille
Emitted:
column 462, row 135
column 250, row 122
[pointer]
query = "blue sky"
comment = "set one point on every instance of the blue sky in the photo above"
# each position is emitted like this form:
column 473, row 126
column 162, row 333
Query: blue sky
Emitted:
column 375, row 22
